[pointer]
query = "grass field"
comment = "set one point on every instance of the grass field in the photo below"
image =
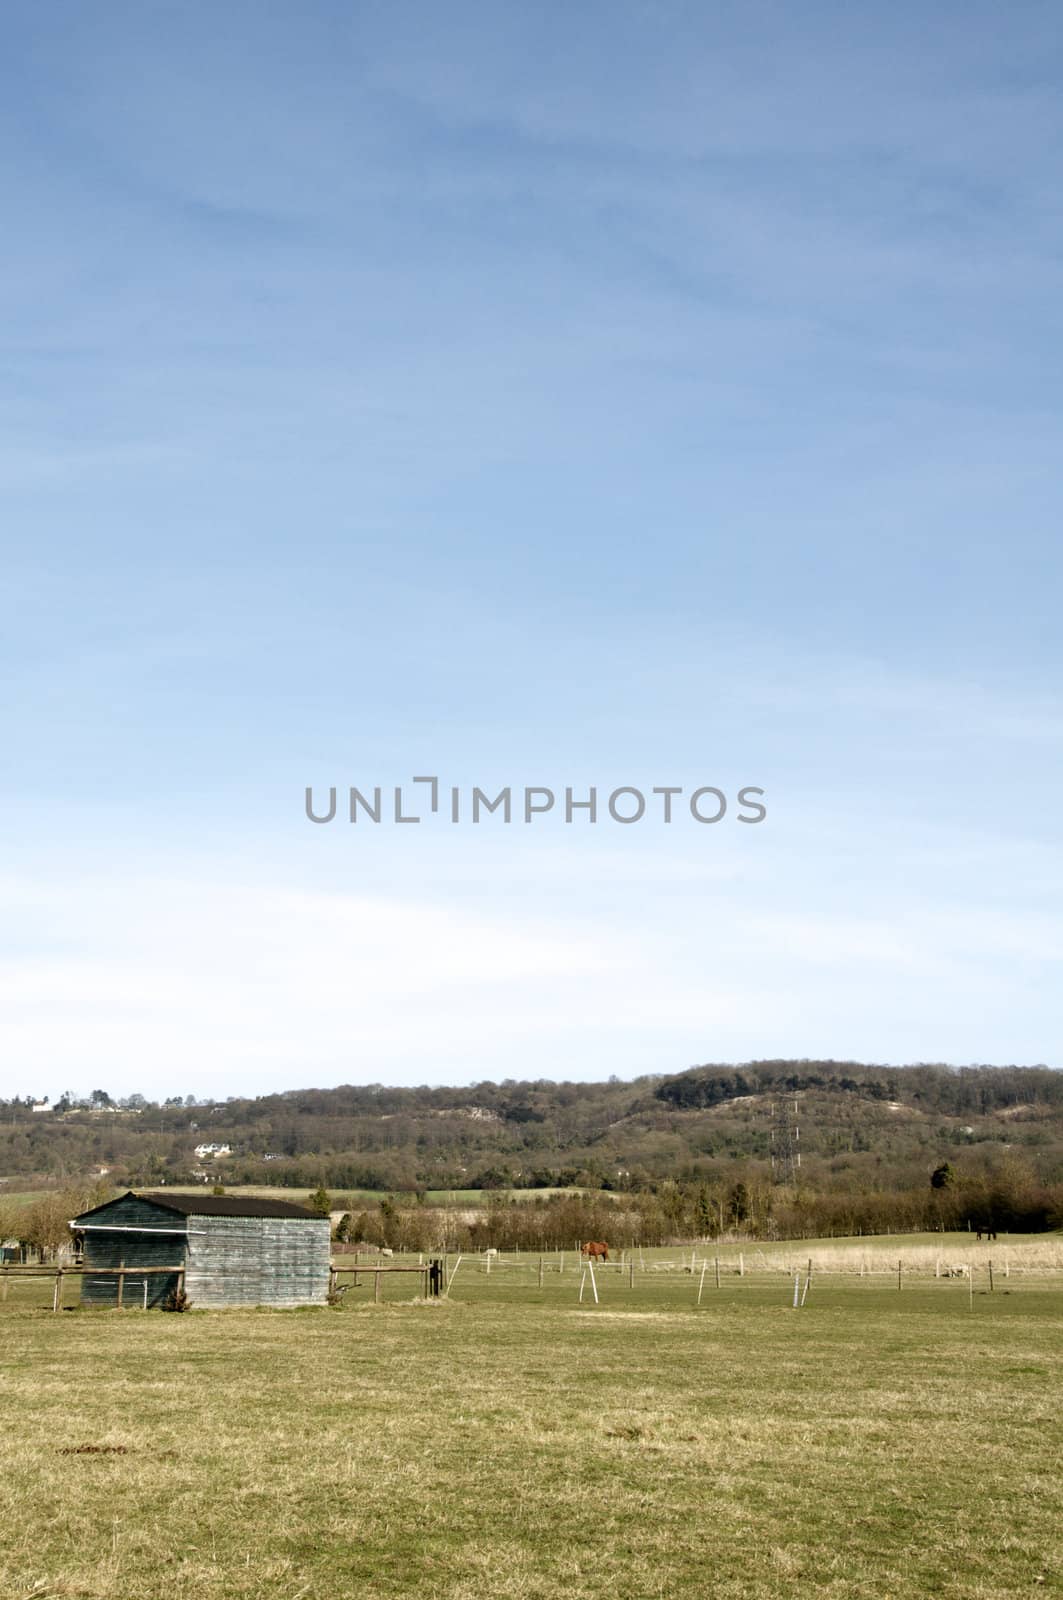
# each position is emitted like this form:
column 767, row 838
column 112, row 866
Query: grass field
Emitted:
column 340, row 1197
column 512, row 1444
column 370, row 1197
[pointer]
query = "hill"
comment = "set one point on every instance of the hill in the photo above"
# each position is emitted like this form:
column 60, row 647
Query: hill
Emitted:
column 861, row 1126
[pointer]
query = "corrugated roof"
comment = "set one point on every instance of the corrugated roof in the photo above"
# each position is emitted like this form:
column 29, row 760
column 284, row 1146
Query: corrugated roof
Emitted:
column 210, row 1205
column 226, row 1205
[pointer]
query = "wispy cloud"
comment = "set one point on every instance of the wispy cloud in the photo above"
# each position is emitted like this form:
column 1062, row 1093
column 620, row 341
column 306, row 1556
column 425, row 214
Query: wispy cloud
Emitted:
column 166, row 983
column 560, row 397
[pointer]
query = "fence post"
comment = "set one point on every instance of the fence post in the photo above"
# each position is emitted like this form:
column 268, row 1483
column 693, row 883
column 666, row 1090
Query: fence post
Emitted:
column 717, row 1272
column 631, row 1274
column 701, row 1285
column 121, row 1281
column 540, row 1272
column 57, row 1296
column 991, row 1277
column 376, row 1287
column 898, row 1276
column 797, row 1286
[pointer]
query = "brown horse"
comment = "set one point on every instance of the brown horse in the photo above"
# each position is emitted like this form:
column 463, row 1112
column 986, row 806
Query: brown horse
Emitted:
column 596, row 1250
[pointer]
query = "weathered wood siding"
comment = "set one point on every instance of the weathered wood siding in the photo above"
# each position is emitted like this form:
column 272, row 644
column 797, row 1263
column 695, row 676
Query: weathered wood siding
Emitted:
column 159, row 1241
column 257, row 1261
column 130, row 1211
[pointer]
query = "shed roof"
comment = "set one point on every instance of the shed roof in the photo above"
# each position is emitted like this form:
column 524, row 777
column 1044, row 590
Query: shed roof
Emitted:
column 211, row 1205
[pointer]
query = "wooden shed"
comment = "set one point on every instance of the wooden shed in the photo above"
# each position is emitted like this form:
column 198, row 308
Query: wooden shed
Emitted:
column 232, row 1251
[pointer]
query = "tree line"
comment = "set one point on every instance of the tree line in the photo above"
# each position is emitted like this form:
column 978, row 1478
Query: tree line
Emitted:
column 1006, row 1196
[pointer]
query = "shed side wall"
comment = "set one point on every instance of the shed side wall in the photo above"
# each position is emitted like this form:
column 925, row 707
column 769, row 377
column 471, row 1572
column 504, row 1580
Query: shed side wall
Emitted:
column 144, row 1236
column 257, row 1261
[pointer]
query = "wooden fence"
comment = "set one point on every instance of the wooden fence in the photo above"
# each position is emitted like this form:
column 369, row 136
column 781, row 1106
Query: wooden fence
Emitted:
column 59, row 1273
column 431, row 1272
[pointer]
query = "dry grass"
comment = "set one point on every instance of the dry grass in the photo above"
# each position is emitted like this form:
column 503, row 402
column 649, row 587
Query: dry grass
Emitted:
column 921, row 1253
column 510, row 1445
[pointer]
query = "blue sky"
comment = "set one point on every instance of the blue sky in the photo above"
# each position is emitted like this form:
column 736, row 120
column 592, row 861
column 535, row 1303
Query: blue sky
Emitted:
column 598, row 395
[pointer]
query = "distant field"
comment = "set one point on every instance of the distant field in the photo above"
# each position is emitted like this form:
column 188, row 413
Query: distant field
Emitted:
column 433, row 1197
column 513, row 1444
column 360, row 1197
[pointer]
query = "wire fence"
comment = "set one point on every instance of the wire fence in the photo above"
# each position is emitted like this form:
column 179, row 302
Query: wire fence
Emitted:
column 691, row 1275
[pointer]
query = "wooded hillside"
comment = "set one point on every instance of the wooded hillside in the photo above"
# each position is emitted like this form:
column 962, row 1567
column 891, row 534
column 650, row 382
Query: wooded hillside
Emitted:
column 860, row 1125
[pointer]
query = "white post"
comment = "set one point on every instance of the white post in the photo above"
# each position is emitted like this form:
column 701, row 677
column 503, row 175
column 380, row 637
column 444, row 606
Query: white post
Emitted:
column 797, row 1286
column 582, row 1281
column 701, row 1285
column 594, row 1286
column 145, row 1294
column 808, row 1280
column 741, row 1265
column 453, row 1270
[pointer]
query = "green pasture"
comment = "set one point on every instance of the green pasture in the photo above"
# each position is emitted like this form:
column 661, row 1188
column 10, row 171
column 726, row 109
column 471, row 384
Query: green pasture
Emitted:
column 358, row 1198
column 370, row 1197
column 511, row 1443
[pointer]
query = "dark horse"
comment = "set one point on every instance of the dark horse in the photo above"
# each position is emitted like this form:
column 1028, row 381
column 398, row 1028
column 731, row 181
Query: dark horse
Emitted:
column 596, row 1251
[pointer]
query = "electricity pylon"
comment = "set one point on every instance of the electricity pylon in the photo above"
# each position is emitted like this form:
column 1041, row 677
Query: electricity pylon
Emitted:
column 785, row 1140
